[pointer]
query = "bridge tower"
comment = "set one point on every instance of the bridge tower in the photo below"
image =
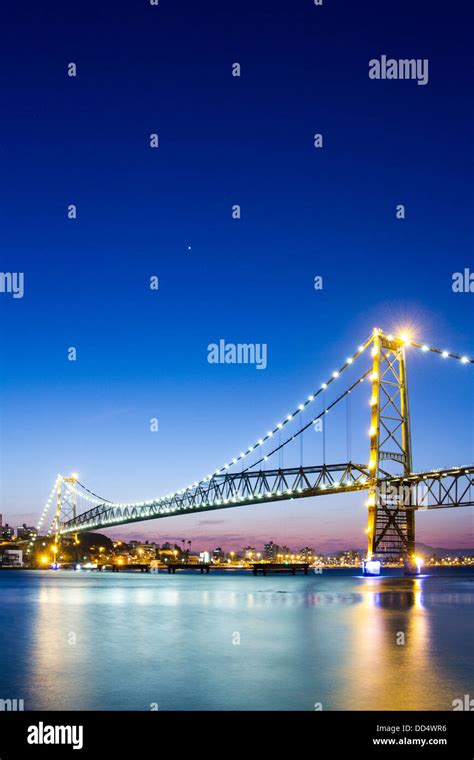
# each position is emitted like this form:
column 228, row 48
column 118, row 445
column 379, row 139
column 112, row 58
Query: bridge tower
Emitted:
column 66, row 504
column 391, row 527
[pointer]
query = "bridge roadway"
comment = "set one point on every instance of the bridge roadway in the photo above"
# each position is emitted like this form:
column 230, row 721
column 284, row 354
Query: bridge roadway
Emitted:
column 452, row 487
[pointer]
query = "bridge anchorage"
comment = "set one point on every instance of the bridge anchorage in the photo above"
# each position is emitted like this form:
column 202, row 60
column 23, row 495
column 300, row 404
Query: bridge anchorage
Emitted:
column 393, row 496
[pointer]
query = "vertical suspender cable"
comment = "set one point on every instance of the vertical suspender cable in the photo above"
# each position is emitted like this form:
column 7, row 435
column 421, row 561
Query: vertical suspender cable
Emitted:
column 323, row 419
column 301, row 441
column 348, row 426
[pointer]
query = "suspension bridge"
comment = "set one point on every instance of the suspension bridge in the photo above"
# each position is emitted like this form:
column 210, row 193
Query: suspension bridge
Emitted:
column 254, row 476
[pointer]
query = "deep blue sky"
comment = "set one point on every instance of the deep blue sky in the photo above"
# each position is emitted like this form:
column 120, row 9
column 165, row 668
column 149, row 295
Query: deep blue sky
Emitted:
column 305, row 212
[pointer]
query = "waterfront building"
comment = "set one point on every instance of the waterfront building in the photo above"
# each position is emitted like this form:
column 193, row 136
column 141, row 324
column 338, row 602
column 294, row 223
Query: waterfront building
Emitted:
column 6, row 532
column 11, row 556
column 270, row 552
column 26, row 533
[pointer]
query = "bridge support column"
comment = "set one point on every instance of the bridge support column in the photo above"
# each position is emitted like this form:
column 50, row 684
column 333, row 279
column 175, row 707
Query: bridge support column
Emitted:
column 391, row 516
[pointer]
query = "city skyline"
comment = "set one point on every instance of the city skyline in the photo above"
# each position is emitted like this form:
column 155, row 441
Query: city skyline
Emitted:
column 205, row 543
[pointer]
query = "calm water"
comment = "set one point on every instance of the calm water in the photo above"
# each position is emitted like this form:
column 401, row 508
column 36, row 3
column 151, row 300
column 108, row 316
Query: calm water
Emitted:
column 107, row 641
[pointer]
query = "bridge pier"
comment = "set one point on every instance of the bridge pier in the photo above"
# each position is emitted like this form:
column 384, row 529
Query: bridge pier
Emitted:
column 202, row 567
column 411, row 567
column 280, row 567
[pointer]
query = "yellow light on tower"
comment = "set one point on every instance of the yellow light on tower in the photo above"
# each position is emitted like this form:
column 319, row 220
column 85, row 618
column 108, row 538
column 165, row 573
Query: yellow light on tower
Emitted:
column 405, row 337
column 75, row 476
column 372, row 430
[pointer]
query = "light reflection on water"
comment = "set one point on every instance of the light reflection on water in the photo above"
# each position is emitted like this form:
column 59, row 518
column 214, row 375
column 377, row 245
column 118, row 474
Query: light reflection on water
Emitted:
column 108, row 641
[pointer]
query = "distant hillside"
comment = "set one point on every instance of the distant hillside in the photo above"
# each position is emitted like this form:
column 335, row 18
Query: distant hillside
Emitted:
column 440, row 552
